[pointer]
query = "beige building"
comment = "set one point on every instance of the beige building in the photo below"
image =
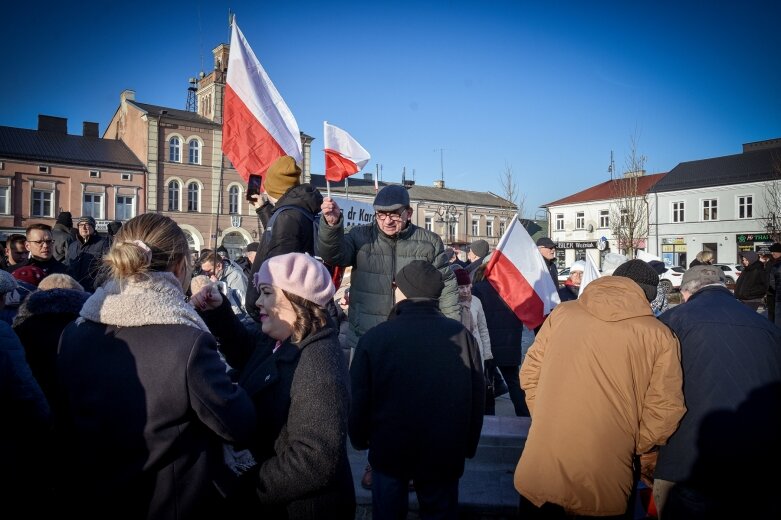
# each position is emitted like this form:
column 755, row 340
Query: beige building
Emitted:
column 46, row 171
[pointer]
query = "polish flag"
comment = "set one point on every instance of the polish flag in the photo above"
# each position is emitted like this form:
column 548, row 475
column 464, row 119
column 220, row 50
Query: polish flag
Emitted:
column 343, row 155
column 257, row 127
column 518, row 272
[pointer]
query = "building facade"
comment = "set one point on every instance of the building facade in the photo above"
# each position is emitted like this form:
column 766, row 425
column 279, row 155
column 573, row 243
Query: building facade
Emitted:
column 725, row 205
column 46, row 171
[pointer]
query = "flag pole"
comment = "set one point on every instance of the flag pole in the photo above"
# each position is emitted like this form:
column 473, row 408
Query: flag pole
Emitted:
column 325, row 168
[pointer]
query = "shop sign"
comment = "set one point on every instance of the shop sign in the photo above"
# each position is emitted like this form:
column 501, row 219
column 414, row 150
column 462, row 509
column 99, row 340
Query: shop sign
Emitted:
column 753, row 237
column 591, row 244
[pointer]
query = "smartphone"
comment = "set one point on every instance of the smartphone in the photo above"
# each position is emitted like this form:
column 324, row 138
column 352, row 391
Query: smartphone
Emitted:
column 253, row 186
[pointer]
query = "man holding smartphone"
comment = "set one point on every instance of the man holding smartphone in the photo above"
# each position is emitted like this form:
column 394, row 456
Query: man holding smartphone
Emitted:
column 295, row 205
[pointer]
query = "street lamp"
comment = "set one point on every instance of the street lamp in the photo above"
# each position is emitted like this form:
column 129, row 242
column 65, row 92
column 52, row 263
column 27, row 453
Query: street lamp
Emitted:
column 448, row 215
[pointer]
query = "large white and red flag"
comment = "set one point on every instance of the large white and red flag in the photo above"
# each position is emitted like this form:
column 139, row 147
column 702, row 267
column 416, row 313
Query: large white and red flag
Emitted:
column 518, row 272
column 344, row 156
column 590, row 273
column 258, row 127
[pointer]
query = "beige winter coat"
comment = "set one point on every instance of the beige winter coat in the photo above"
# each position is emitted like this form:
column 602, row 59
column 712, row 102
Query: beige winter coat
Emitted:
column 603, row 382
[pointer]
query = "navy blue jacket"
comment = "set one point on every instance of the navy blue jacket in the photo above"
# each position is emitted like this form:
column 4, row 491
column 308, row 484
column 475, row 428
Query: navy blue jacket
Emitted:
column 731, row 358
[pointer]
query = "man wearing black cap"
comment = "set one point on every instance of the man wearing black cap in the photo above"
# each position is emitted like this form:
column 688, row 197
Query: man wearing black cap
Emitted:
column 602, row 373
column 547, row 248
column 377, row 252
column 86, row 254
column 478, row 250
column 417, row 399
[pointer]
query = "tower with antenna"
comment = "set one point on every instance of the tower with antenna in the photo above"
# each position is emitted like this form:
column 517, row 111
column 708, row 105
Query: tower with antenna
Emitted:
column 192, row 97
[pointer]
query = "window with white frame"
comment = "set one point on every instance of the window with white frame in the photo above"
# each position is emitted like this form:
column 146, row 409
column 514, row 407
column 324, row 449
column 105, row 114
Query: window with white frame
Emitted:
column 174, row 149
column 233, row 200
column 678, row 212
column 174, row 191
column 475, row 227
column 125, row 207
column 710, row 209
column 489, row 228
column 195, row 151
column 604, row 218
column 624, row 217
column 93, row 205
column 559, row 221
column 193, row 196
column 502, row 227
column 42, row 203
column 745, row 206
column 580, row 220
column 127, row 176
column 428, row 223
column 5, row 200
column 452, row 230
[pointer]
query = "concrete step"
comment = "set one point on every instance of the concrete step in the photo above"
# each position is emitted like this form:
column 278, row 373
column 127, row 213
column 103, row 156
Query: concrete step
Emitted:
column 486, row 488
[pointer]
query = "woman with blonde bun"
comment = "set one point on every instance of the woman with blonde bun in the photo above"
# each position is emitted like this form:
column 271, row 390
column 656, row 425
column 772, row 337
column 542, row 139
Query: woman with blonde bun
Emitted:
column 297, row 376
column 146, row 401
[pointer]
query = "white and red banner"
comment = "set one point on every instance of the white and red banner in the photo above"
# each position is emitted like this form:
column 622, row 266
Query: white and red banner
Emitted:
column 344, row 156
column 257, row 127
column 518, row 272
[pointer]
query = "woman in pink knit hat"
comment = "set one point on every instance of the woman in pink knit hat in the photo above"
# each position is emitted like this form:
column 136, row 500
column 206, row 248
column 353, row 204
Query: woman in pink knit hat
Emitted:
column 296, row 375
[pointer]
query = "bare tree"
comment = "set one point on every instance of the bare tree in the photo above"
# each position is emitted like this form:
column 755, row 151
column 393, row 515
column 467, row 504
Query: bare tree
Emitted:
column 629, row 208
column 771, row 220
column 511, row 192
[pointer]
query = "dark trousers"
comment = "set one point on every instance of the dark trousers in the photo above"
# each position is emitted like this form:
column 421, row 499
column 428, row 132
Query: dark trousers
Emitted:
column 548, row 511
column 438, row 499
column 517, row 395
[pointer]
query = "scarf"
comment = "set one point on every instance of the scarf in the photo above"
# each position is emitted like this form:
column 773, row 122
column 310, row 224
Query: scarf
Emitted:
column 150, row 299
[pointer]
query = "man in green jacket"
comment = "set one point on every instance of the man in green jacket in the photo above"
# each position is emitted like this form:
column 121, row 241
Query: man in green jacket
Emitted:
column 378, row 251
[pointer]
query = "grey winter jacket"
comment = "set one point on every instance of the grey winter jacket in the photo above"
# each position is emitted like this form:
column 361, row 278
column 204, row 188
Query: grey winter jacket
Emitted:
column 62, row 240
column 376, row 258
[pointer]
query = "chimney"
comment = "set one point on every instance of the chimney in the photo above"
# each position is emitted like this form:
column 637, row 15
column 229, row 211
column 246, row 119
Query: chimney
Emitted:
column 367, row 176
column 52, row 124
column 127, row 95
column 439, row 184
column 90, row 129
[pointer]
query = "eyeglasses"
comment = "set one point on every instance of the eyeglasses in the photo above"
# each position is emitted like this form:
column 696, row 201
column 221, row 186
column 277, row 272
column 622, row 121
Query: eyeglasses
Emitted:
column 41, row 242
column 394, row 217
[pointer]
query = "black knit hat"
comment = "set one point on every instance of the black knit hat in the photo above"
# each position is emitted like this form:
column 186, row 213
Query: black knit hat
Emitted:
column 420, row 279
column 65, row 218
column 642, row 274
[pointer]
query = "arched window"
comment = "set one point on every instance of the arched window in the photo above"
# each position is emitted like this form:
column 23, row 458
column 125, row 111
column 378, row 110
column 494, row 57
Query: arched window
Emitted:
column 195, row 151
column 193, row 196
column 233, row 200
column 173, row 195
column 174, row 150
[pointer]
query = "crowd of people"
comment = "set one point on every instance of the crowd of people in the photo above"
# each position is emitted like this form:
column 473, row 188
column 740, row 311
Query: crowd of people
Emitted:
column 147, row 380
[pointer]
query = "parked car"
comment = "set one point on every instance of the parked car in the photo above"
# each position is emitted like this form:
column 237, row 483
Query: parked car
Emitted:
column 731, row 271
column 671, row 278
column 563, row 275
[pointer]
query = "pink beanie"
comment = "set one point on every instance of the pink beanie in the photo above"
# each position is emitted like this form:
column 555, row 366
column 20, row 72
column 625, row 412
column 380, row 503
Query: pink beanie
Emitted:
column 299, row 274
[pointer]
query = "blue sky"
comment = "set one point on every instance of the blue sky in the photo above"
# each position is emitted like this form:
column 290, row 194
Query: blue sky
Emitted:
column 545, row 88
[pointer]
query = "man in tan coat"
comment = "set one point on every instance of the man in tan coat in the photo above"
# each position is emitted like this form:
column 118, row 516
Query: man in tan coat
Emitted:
column 603, row 383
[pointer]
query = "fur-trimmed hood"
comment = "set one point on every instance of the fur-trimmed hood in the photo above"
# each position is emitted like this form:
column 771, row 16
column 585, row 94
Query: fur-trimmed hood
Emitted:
column 52, row 301
column 149, row 299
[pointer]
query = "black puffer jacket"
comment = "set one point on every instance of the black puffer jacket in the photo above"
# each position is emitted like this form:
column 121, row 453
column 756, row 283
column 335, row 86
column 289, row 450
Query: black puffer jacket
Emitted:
column 292, row 233
column 504, row 327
